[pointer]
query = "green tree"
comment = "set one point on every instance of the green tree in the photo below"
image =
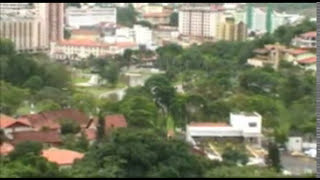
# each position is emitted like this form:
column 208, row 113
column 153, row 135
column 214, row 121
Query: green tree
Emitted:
column 273, row 158
column 126, row 16
column 69, row 126
column 233, row 157
column 25, row 148
column 174, row 19
column 66, row 34
column 34, row 83
column 47, row 105
column 101, row 127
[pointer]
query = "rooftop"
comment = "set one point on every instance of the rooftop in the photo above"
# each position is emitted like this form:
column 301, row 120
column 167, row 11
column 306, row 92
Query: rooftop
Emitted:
column 309, row 34
column 310, row 60
column 50, row 119
column 7, row 121
column 78, row 42
column 50, row 136
column 209, row 124
column 115, row 121
column 61, row 156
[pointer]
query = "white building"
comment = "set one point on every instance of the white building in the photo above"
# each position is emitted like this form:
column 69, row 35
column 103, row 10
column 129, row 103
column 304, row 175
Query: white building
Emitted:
column 78, row 49
column 142, row 35
column 242, row 125
column 77, row 17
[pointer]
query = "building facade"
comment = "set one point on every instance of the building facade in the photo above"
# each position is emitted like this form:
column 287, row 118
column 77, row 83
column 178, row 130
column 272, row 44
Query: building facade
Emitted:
column 55, row 21
column 200, row 21
column 27, row 34
column 306, row 40
column 77, row 17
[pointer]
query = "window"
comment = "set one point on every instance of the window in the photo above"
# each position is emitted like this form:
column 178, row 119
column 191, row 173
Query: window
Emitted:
column 252, row 124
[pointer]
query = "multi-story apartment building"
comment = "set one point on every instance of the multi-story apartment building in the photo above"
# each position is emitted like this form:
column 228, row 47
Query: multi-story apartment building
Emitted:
column 232, row 31
column 32, row 26
column 55, row 21
column 201, row 21
column 25, row 32
column 77, row 17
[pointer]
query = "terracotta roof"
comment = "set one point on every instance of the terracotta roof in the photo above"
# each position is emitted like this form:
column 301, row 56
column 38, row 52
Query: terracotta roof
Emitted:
column 61, row 156
column 82, row 42
column 310, row 60
column 38, row 136
column 6, row 148
column 115, row 121
column 50, row 119
column 91, row 134
column 84, row 32
column 6, row 121
column 209, row 124
column 156, row 15
column 309, row 34
column 297, row 51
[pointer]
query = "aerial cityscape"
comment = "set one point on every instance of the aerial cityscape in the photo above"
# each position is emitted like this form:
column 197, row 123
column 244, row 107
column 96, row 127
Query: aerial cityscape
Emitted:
column 158, row 90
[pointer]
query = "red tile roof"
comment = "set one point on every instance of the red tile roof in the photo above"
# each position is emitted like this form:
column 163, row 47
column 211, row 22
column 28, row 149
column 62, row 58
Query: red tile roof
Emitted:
column 84, row 32
column 51, row 119
column 61, row 156
column 115, row 121
column 7, row 122
column 6, row 148
column 297, row 51
column 51, row 136
column 309, row 34
column 310, row 60
column 209, row 124
column 82, row 42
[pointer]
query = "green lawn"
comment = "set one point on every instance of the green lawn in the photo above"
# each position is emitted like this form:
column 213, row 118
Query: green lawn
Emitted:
column 98, row 90
column 78, row 79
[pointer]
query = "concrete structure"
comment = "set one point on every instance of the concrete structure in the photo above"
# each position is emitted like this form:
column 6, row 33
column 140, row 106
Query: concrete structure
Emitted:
column 78, row 49
column 142, row 35
column 243, row 126
column 306, row 40
column 269, row 55
column 27, row 34
column 83, row 34
column 77, row 17
column 294, row 144
column 202, row 21
column 55, row 21
column 10, row 125
column 231, row 31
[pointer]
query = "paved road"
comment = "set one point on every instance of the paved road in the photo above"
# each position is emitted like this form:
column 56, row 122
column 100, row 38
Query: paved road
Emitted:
column 298, row 165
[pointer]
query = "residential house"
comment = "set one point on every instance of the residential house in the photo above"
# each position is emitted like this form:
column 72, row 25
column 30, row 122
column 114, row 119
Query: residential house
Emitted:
column 306, row 40
column 62, row 157
column 269, row 55
column 49, row 137
column 51, row 119
column 308, row 63
column 10, row 125
column 293, row 55
column 241, row 127
column 5, row 148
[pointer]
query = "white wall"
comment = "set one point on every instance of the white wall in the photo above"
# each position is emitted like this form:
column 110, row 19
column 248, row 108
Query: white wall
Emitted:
column 294, row 144
column 242, row 121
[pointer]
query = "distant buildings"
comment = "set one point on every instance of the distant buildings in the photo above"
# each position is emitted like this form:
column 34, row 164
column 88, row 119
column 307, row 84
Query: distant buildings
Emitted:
column 77, row 49
column 272, row 55
column 32, row 26
column 269, row 55
column 306, row 40
column 242, row 127
column 212, row 22
column 77, row 17
column 156, row 14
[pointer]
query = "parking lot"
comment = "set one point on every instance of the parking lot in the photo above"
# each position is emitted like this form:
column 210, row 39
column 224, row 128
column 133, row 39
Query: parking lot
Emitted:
column 298, row 165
